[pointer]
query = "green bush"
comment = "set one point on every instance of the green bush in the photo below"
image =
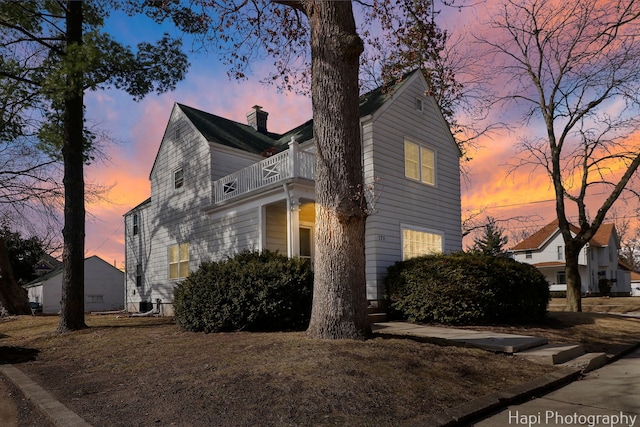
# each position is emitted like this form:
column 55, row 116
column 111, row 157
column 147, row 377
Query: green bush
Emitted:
column 466, row 288
column 253, row 290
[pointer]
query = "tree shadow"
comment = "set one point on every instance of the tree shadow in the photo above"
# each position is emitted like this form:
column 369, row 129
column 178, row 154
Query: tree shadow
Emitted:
column 13, row 355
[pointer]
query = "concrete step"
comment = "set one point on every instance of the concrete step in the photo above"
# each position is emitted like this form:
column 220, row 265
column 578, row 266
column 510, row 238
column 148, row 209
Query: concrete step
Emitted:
column 552, row 354
column 588, row 362
column 377, row 317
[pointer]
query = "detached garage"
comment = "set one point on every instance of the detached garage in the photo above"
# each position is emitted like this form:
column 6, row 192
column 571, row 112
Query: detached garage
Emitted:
column 103, row 287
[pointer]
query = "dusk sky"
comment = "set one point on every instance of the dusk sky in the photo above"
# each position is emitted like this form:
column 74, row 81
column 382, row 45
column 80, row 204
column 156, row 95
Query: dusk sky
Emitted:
column 137, row 129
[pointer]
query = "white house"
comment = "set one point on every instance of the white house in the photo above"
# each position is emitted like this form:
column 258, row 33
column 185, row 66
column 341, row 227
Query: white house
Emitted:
column 635, row 284
column 597, row 260
column 219, row 187
column 103, row 287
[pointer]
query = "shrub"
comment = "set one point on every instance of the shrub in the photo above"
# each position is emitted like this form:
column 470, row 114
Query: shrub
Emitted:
column 253, row 290
column 466, row 288
column 604, row 286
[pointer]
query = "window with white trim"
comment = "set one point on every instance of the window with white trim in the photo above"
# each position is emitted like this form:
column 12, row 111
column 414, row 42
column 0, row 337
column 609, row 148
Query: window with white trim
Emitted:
column 178, row 178
column 561, row 278
column 179, row 261
column 419, row 163
column 560, row 253
column 416, row 243
column 135, row 224
column 139, row 275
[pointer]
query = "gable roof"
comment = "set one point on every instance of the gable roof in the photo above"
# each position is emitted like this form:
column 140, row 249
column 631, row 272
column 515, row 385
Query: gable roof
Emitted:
column 242, row 136
column 537, row 240
column 45, row 277
column 228, row 132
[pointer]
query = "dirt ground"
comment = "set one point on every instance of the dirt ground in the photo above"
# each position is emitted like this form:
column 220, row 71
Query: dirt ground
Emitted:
column 149, row 372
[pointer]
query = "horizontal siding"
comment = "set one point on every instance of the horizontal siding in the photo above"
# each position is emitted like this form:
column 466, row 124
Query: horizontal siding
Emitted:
column 399, row 200
column 276, row 227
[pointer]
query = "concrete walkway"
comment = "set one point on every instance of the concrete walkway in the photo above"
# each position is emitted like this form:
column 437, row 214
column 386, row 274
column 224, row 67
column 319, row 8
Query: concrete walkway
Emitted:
column 59, row 414
column 487, row 340
column 609, row 396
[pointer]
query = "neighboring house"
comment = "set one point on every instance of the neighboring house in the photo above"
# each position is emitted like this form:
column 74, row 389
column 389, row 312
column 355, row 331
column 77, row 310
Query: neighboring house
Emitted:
column 597, row 260
column 103, row 287
column 46, row 265
column 635, row 284
column 219, row 187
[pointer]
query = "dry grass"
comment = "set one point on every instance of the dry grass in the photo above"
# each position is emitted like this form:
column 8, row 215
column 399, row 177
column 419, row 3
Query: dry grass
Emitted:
column 144, row 371
column 147, row 371
column 600, row 327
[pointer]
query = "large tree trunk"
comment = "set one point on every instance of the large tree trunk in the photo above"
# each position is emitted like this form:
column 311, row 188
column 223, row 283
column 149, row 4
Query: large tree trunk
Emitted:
column 72, row 313
column 13, row 297
column 339, row 297
column 574, row 283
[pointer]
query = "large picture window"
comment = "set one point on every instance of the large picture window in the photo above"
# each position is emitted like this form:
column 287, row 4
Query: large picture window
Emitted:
column 416, row 243
column 419, row 163
column 179, row 261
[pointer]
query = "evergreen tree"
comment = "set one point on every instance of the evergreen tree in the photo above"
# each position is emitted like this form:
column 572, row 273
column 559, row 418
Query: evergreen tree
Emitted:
column 492, row 241
column 54, row 51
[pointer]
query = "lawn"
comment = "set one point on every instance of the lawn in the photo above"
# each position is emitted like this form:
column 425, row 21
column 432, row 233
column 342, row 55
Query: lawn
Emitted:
column 146, row 371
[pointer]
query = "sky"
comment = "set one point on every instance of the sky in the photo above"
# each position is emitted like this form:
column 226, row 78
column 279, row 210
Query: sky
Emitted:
column 136, row 129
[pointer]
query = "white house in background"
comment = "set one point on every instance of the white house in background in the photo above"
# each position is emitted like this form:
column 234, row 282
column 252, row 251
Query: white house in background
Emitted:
column 103, row 287
column 597, row 260
column 635, row 284
column 219, row 187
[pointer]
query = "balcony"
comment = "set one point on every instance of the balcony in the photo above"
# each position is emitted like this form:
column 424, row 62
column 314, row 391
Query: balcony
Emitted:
column 288, row 164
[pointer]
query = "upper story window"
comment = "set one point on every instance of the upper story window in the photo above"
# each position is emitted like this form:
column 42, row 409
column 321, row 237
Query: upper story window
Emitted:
column 560, row 253
column 528, row 254
column 419, row 104
column 135, row 224
column 416, row 243
column 419, row 163
column 178, row 178
column 179, row 261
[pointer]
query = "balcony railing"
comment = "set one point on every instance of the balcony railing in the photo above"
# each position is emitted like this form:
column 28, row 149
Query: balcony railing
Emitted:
column 291, row 163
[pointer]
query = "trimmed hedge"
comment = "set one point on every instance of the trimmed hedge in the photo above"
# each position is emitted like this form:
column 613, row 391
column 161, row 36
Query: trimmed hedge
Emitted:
column 257, row 291
column 466, row 288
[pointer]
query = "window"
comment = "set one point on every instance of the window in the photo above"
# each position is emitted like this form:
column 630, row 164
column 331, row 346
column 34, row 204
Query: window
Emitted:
column 306, row 243
column 179, row 261
column 416, row 243
column 418, row 104
column 528, row 254
column 95, row 298
column 178, row 178
column 139, row 275
column 561, row 278
column 419, row 163
column 560, row 253
column 135, row 224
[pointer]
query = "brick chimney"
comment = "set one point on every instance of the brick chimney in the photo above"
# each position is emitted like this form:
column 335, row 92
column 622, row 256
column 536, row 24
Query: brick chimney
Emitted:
column 258, row 119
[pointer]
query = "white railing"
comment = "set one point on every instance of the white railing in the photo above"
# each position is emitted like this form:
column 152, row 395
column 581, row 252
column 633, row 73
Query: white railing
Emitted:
column 292, row 163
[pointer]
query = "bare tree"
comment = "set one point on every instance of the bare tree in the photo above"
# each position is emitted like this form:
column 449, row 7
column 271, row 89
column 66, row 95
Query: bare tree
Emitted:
column 573, row 67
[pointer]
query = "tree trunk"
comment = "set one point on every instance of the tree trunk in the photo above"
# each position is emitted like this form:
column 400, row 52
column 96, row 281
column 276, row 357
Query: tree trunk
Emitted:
column 574, row 283
column 13, row 297
column 72, row 312
column 339, row 297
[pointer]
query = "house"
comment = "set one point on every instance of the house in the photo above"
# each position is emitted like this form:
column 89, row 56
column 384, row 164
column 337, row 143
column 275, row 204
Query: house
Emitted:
column 46, row 265
column 597, row 260
column 219, row 187
column 103, row 287
column 635, row 284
